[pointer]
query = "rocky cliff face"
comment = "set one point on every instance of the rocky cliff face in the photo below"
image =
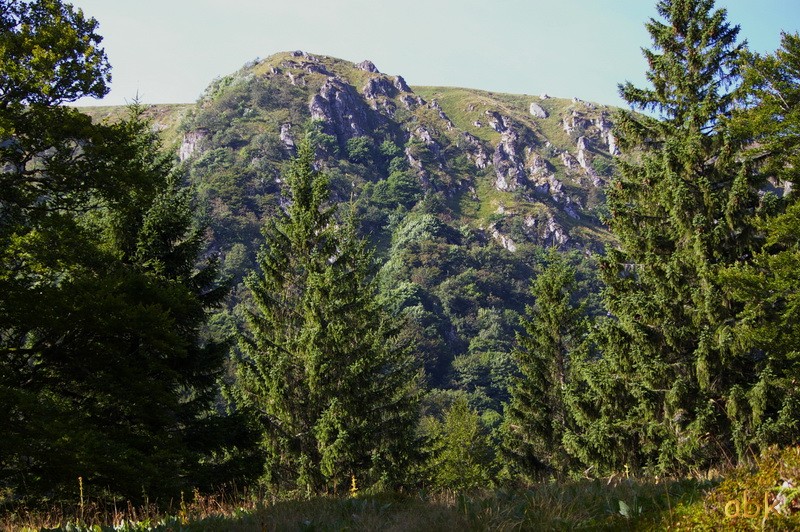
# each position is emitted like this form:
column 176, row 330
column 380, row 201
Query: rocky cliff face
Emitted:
column 517, row 169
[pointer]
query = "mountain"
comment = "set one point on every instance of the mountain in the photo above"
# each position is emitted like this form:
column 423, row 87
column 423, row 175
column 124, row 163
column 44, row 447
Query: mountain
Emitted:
column 458, row 189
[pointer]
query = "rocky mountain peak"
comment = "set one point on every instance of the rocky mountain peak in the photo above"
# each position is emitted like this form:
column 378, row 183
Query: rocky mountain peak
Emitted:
column 544, row 158
column 367, row 66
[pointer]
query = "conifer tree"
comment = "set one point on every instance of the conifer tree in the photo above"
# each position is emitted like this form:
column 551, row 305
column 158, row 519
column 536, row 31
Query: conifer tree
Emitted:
column 321, row 367
column 766, row 409
column 681, row 209
column 105, row 375
column 460, row 453
column 539, row 413
column 102, row 371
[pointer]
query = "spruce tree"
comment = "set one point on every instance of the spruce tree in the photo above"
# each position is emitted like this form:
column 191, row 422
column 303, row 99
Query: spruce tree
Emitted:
column 766, row 409
column 460, row 455
column 681, row 209
column 321, row 366
column 539, row 413
column 102, row 372
column 105, row 374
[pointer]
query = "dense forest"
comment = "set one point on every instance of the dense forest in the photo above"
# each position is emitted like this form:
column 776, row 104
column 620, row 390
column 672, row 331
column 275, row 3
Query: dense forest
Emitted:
column 333, row 305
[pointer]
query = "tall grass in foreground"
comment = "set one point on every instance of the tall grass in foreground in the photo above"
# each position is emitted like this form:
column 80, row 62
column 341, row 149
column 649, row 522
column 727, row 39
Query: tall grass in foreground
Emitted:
column 610, row 504
column 619, row 504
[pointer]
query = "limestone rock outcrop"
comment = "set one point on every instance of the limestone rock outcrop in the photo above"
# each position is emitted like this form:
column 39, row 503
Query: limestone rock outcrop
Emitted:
column 367, row 66
column 401, row 84
column 379, row 86
column 193, row 143
column 537, row 110
column 341, row 109
column 547, row 230
column 509, row 168
column 475, row 151
column 286, row 136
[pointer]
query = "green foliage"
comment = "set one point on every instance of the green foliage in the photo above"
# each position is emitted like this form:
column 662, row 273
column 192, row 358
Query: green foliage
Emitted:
column 764, row 410
column 539, row 414
column 389, row 149
column 103, row 372
column 460, row 453
column 400, row 188
column 50, row 55
column 682, row 207
column 768, row 116
column 359, row 150
column 321, row 365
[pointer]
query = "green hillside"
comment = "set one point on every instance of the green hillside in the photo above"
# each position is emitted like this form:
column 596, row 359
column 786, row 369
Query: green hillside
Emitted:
column 458, row 189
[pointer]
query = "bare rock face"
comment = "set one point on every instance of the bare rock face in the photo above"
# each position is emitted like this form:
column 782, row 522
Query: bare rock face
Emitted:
column 584, row 158
column 549, row 185
column 413, row 162
column 342, row 110
column 425, row 136
column 475, row 151
column 538, row 111
column 547, row 231
column 538, row 165
column 409, row 101
column 604, row 126
column 379, row 86
column 286, row 136
column 296, row 80
column 504, row 240
column 497, row 121
column 438, row 108
column 571, row 209
column 401, row 84
column 368, row 66
column 418, row 167
column 575, row 121
column 612, row 144
column 314, row 68
column 569, row 161
column 193, row 142
column 509, row 168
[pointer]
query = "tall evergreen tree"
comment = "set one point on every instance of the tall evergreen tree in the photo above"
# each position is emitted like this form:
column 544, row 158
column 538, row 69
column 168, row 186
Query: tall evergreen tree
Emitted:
column 681, row 209
column 766, row 410
column 539, row 415
column 321, row 366
column 102, row 371
column 105, row 374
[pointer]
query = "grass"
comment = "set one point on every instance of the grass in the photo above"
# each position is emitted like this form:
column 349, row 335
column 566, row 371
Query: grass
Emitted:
column 618, row 503
column 615, row 505
column 166, row 117
column 585, row 505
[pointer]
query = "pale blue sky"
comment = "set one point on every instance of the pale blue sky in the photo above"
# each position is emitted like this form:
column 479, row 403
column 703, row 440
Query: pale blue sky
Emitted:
column 169, row 50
